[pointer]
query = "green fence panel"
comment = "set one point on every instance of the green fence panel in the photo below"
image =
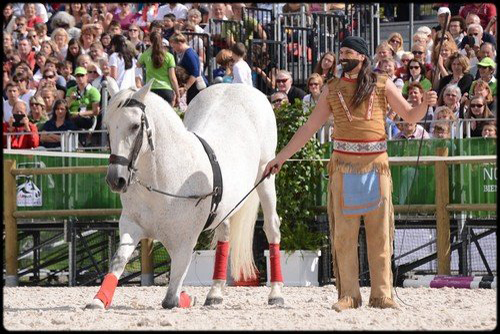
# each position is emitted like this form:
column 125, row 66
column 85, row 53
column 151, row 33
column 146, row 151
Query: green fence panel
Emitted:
column 477, row 183
column 66, row 191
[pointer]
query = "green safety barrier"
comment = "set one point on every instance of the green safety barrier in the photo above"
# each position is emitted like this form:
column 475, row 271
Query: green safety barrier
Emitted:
column 469, row 183
column 66, row 191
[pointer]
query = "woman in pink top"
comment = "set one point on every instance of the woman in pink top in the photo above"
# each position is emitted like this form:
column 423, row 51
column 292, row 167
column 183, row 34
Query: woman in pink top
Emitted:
column 125, row 17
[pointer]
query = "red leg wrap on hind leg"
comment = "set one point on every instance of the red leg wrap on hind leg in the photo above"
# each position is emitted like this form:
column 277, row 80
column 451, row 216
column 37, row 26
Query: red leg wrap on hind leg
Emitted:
column 221, row 255
column 274, row 254
column 105, row 293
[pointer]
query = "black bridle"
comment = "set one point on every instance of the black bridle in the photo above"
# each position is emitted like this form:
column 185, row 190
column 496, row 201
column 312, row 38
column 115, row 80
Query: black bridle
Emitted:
column 130, row 163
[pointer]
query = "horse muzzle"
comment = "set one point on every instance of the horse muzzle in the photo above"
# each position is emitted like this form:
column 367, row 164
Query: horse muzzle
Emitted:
column 117, row 182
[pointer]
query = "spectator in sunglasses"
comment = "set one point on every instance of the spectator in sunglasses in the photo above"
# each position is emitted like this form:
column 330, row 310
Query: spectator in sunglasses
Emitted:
column 278, row 99
column 419, row 52
column 416, row 73
column 482, row 88
column 478, row 109
column 486, row 68
column 405, row 59
column 284, row 83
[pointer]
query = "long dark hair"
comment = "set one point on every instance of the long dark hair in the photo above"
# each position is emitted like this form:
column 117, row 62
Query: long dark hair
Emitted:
column 332, row 71
column 157, row 49
column 56, row 104
column 366, row 83
column 422, row 69
column 120, row 46
column 69, row 56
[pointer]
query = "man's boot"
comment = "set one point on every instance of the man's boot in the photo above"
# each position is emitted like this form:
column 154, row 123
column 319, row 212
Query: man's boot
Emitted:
column 345, row 303
column 384, row 302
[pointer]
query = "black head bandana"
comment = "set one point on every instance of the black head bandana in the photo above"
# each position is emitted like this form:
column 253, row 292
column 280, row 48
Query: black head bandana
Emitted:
column 357, row 44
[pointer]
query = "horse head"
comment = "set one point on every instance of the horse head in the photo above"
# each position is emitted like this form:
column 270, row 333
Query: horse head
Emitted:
column 129, row 135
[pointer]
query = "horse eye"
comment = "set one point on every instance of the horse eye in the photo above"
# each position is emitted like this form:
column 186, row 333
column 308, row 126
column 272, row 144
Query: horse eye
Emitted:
column 134, row 127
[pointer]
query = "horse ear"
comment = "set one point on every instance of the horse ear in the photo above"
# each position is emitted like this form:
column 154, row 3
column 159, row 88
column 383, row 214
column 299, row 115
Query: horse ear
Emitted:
column 140, row 95
column 112, row 91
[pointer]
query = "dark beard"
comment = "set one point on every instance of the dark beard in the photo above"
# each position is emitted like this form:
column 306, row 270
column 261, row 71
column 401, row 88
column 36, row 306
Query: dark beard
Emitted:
column 348, row 64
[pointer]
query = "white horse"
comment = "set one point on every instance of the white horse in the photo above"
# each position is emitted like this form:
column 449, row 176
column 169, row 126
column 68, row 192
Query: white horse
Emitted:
column 238, row 123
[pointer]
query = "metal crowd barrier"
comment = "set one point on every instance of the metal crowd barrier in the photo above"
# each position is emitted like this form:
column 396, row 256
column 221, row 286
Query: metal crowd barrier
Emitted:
column 69, row 141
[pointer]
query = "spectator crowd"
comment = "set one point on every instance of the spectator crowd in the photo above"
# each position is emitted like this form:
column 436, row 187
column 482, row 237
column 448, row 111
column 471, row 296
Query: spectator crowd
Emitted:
column 61, row 60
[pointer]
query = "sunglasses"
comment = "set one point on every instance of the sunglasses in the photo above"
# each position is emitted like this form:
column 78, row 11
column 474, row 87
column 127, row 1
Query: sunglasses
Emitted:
column 473, row 34
column 80, row 75
column 405, row 60
column 281, row 80
column 49, row 76
column 417, row 52
column 476, row 105
column 481, row 66
column 133, row 30
column 92, row 72
column 414, row 67
column 277, row 101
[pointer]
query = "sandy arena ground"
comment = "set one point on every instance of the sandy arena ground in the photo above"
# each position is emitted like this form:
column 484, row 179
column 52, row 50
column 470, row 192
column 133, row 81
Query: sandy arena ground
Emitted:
column 245, row 308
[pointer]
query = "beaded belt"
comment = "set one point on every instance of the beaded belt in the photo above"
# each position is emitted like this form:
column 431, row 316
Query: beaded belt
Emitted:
column 359, row 147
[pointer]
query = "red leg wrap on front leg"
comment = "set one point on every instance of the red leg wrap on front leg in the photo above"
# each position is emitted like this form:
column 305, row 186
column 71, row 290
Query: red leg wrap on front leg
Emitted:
column 184, row 300
column 274, row 254
column 221, row 256
column 105, row 293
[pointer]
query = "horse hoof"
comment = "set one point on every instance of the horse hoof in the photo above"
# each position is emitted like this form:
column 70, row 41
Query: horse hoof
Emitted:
column 276, row 301
column 185, row 301
column 213, row 301
column 96, row 304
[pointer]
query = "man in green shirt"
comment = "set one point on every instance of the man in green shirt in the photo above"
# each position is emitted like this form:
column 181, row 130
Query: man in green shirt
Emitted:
column 83, row 100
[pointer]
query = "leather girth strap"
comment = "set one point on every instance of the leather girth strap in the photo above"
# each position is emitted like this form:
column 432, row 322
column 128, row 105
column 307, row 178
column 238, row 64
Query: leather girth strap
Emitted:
column 216, row 198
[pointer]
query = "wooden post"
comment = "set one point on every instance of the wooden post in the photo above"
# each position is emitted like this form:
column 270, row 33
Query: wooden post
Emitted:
column 9, row 204
column 147, row 267
column 442, row 214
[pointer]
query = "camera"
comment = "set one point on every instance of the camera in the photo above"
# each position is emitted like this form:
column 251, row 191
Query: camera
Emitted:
column 468, row 40
column 17, row 120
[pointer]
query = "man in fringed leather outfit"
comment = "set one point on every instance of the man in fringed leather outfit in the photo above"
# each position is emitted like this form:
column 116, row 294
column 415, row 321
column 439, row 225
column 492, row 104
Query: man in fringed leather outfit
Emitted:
column 360, row 178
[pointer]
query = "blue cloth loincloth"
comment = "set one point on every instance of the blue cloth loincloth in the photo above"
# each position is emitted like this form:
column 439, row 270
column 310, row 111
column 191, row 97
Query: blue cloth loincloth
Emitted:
column 360, row 193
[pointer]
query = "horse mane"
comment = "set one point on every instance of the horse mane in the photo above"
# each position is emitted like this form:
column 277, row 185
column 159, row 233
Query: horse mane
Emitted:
column 167, row 113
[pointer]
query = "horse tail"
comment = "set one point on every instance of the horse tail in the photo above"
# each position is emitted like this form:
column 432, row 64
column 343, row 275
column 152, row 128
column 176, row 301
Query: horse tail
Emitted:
column 241, row 231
